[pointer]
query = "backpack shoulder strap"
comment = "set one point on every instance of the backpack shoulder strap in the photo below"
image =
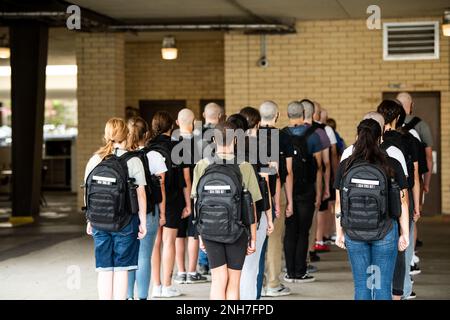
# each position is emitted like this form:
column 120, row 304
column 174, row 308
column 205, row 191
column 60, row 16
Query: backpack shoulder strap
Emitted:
column 412, row 124
column 310, row 131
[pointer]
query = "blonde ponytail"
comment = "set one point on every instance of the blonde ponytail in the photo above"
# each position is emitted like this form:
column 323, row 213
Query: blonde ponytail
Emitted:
column 116, row 131
column 139, row 131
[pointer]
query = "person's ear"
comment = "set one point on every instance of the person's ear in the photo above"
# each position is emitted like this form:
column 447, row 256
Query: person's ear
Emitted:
column 278, row 115
column 177, row 122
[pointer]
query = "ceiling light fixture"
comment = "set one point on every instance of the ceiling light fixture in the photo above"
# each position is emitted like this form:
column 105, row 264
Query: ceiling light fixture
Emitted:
column 446, row 24
column 169, row 50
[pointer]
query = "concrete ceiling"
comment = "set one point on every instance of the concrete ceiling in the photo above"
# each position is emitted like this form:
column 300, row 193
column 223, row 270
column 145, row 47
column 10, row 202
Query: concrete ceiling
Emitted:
column 220, row 10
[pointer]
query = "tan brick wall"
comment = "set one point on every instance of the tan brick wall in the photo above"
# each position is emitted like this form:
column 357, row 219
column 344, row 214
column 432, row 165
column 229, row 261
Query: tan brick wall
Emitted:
column 100, row 92
column 338, row 63
column 197, row 73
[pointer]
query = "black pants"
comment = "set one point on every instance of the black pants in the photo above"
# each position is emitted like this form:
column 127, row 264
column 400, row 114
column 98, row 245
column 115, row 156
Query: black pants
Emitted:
column 297, row 234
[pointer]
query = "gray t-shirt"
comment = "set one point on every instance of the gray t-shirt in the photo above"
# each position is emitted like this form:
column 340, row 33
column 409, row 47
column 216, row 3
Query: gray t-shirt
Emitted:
column 423, row 129
column 135, row 168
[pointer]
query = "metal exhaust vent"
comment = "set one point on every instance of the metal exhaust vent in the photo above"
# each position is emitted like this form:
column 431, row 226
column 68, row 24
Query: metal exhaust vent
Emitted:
column 411, row 41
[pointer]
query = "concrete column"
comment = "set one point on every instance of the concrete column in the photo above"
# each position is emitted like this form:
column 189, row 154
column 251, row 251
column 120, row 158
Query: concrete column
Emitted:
column 29, row 42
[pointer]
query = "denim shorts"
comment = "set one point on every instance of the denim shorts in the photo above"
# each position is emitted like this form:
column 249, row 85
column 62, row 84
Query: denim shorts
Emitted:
column 117, row 251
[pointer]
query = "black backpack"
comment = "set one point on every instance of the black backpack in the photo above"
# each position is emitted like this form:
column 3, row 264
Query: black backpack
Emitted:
column 365, row 192
column 401, row 141
column 153, row 187
column 423, row 165
column 165, row 149
column 304, row 165
column 219, row 203
column 111, row 196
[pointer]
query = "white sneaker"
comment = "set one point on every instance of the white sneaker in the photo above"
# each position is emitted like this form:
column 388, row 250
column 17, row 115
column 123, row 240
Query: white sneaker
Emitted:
column 170, row 292
column 416, row 259
column 156, row 291
column 263, row 292
column 279, row 291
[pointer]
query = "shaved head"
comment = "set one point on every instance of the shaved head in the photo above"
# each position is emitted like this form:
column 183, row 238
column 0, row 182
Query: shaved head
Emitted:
column 378, row 117
column 406, row 101
column 185, row 117
column 268, row 110
column 185, row 120
column 212, row 113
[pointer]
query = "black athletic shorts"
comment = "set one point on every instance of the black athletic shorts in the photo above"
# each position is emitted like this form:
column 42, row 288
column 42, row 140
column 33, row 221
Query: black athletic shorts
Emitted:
column 174, row 209
column 187, row 228
column 232, row 255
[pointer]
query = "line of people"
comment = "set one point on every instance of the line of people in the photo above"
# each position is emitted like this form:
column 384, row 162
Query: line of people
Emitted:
column 156, row 196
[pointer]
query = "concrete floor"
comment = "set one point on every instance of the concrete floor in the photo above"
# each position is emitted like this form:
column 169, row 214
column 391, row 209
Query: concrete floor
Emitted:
column 54, row 260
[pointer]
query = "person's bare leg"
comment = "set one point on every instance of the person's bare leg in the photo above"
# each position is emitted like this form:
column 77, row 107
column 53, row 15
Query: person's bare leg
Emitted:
column 120, row 285
column 168, row 255
column 312, row 233
column 219, row 281
column 193, row 246
column 234, row 277
column 321, row 225
column 156, row 259
column 332, row 221
column 180, row 254
column 105, row 285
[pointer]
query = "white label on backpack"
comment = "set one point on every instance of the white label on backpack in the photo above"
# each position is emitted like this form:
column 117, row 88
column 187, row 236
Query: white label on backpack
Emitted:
column 366, row 182
column 104, row 180
column 216, row 188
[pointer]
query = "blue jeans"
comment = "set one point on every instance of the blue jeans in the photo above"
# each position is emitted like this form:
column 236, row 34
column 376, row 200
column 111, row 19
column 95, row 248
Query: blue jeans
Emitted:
column 203, row 259
column 373, row 265
column 143, row 273
column 407, row 284
column 262, row 267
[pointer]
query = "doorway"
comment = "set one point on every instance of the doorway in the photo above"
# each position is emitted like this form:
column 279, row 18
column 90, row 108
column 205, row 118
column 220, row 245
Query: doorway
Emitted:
column 147, row 108
column 427, row 106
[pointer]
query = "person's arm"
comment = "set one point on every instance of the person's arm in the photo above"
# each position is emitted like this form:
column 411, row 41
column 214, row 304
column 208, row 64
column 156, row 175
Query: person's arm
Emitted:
column 142, row 201
column 187, row 192
column 289, row 188
column 327, row 174
column 319, row 175
column 268, row 212
column 340, row 238
column 252, row 244
column 277, row 197
column 403, row 241
column 416, row 192
column 162, row 205
column 427, row 176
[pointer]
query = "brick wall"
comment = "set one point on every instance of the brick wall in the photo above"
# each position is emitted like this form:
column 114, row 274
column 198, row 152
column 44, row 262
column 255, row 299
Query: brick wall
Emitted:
column 338, row 63
column 100, row 91
column 197, row 73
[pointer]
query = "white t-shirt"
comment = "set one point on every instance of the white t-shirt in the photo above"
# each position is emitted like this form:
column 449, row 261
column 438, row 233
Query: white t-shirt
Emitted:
column 156, row 163
column 135, row 168
column 392, row 152
column 331, row 135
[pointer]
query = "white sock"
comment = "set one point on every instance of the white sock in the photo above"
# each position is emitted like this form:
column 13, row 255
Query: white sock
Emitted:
column 181, row 273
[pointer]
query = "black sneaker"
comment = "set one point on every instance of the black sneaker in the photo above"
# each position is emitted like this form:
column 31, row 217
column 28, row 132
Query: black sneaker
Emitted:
column 419, row 243
column 289, row 278
column 415, row 270
column 313, row 256
column 412, row 296
column 203, row 270
column 328, row 241
column 306, row 278
column 197, row 278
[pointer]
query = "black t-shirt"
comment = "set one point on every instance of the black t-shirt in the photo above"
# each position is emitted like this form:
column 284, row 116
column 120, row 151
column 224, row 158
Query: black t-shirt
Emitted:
column 393, row 163
column 286, row 150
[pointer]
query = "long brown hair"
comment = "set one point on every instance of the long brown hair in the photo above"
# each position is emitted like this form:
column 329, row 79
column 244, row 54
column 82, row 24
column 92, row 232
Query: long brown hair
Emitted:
column 162, row 122
column 139, row 131
column 367, row 146
column 116, row 131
